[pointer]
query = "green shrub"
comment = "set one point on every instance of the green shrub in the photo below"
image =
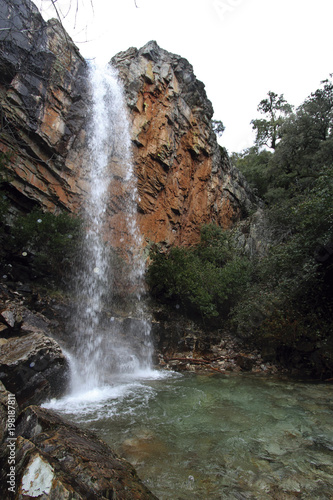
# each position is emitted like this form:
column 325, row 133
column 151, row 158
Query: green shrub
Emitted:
column 52, row 240
column 206, row 279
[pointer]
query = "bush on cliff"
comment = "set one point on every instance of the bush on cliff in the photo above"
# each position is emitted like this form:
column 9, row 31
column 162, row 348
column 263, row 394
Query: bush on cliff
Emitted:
column 206, row 279
column 44, row 243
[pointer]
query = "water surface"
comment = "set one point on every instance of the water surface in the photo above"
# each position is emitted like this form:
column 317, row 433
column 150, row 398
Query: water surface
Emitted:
column 214, row 436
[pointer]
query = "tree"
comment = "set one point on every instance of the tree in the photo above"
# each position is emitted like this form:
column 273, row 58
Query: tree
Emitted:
column 319, row 106
column 206, row 279
column 307, row 142
column 218, row 127
column 269, row 129
column 254, row 165
column 289, row 303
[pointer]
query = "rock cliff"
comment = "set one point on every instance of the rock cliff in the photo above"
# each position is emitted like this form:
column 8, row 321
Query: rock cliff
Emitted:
column 32, row 365
column 184, row 178
column 42, row 80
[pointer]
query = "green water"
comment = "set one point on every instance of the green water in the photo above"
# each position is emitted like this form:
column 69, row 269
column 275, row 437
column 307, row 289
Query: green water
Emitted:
column 219, row 437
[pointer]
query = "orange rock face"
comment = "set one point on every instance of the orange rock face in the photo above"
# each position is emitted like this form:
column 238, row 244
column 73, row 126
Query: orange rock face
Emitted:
column 183, row 179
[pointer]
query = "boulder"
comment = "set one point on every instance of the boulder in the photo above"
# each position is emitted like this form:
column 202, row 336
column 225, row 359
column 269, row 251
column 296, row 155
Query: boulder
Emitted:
column 33, row 368
column 245, row 361
column 56, row 460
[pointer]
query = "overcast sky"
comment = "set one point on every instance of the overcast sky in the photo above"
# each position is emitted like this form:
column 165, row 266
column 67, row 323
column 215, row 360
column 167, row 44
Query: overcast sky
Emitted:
column 240, row 49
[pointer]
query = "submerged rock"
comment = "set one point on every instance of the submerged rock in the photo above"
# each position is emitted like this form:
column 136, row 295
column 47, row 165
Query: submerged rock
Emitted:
column 57, row 460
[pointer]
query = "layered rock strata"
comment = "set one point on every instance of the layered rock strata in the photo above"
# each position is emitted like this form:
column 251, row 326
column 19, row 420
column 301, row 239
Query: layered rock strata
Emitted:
column 42, row 80
column 57, row 460
column 51, row 458
column 32, row 365
column 184, row 178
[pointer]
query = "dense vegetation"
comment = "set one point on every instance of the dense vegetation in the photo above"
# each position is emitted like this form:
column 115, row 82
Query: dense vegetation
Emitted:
column 282, row 301
column 205, row 280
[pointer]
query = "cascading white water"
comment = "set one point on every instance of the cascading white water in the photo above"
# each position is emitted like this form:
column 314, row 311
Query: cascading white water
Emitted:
column 105, row 344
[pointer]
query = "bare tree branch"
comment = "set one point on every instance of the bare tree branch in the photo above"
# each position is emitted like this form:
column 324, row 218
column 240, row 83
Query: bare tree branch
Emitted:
column 56, row 10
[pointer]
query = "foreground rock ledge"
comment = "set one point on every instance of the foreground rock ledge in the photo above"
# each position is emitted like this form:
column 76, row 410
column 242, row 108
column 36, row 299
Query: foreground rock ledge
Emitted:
column 56, row 460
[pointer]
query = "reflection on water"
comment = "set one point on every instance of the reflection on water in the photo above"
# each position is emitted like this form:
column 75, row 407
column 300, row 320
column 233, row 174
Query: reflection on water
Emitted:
column 217, row 437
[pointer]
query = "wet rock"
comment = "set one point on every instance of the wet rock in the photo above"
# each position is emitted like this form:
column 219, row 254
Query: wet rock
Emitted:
column 183, row 345
column 8, row 317
column 16, row 319
column 33, row 367
column 174, row 332
column 245, row 362
column 11, row 320
column 57, row 460
column 143, row 445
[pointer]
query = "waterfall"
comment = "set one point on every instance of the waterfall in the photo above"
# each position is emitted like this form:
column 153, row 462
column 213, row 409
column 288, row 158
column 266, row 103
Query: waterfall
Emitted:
column 107, row 344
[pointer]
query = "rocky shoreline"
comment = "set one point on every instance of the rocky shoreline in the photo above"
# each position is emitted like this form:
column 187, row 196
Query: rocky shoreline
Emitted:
column 180, row 344
column 43, row 456
column 224, row 358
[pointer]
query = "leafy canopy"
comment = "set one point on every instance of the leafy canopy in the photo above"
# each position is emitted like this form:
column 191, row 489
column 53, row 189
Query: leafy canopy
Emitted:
column 268, row 129
column 289, row 303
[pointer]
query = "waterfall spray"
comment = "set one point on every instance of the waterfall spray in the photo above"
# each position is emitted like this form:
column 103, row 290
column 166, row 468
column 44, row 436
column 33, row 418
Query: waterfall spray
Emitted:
column 105, row 344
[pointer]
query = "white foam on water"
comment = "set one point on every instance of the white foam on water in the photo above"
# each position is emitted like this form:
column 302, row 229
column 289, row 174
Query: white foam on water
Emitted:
column 87, row 399
column 94, row 402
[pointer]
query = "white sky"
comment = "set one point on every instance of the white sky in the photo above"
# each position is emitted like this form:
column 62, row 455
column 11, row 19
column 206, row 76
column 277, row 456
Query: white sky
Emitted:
column 240, row 49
